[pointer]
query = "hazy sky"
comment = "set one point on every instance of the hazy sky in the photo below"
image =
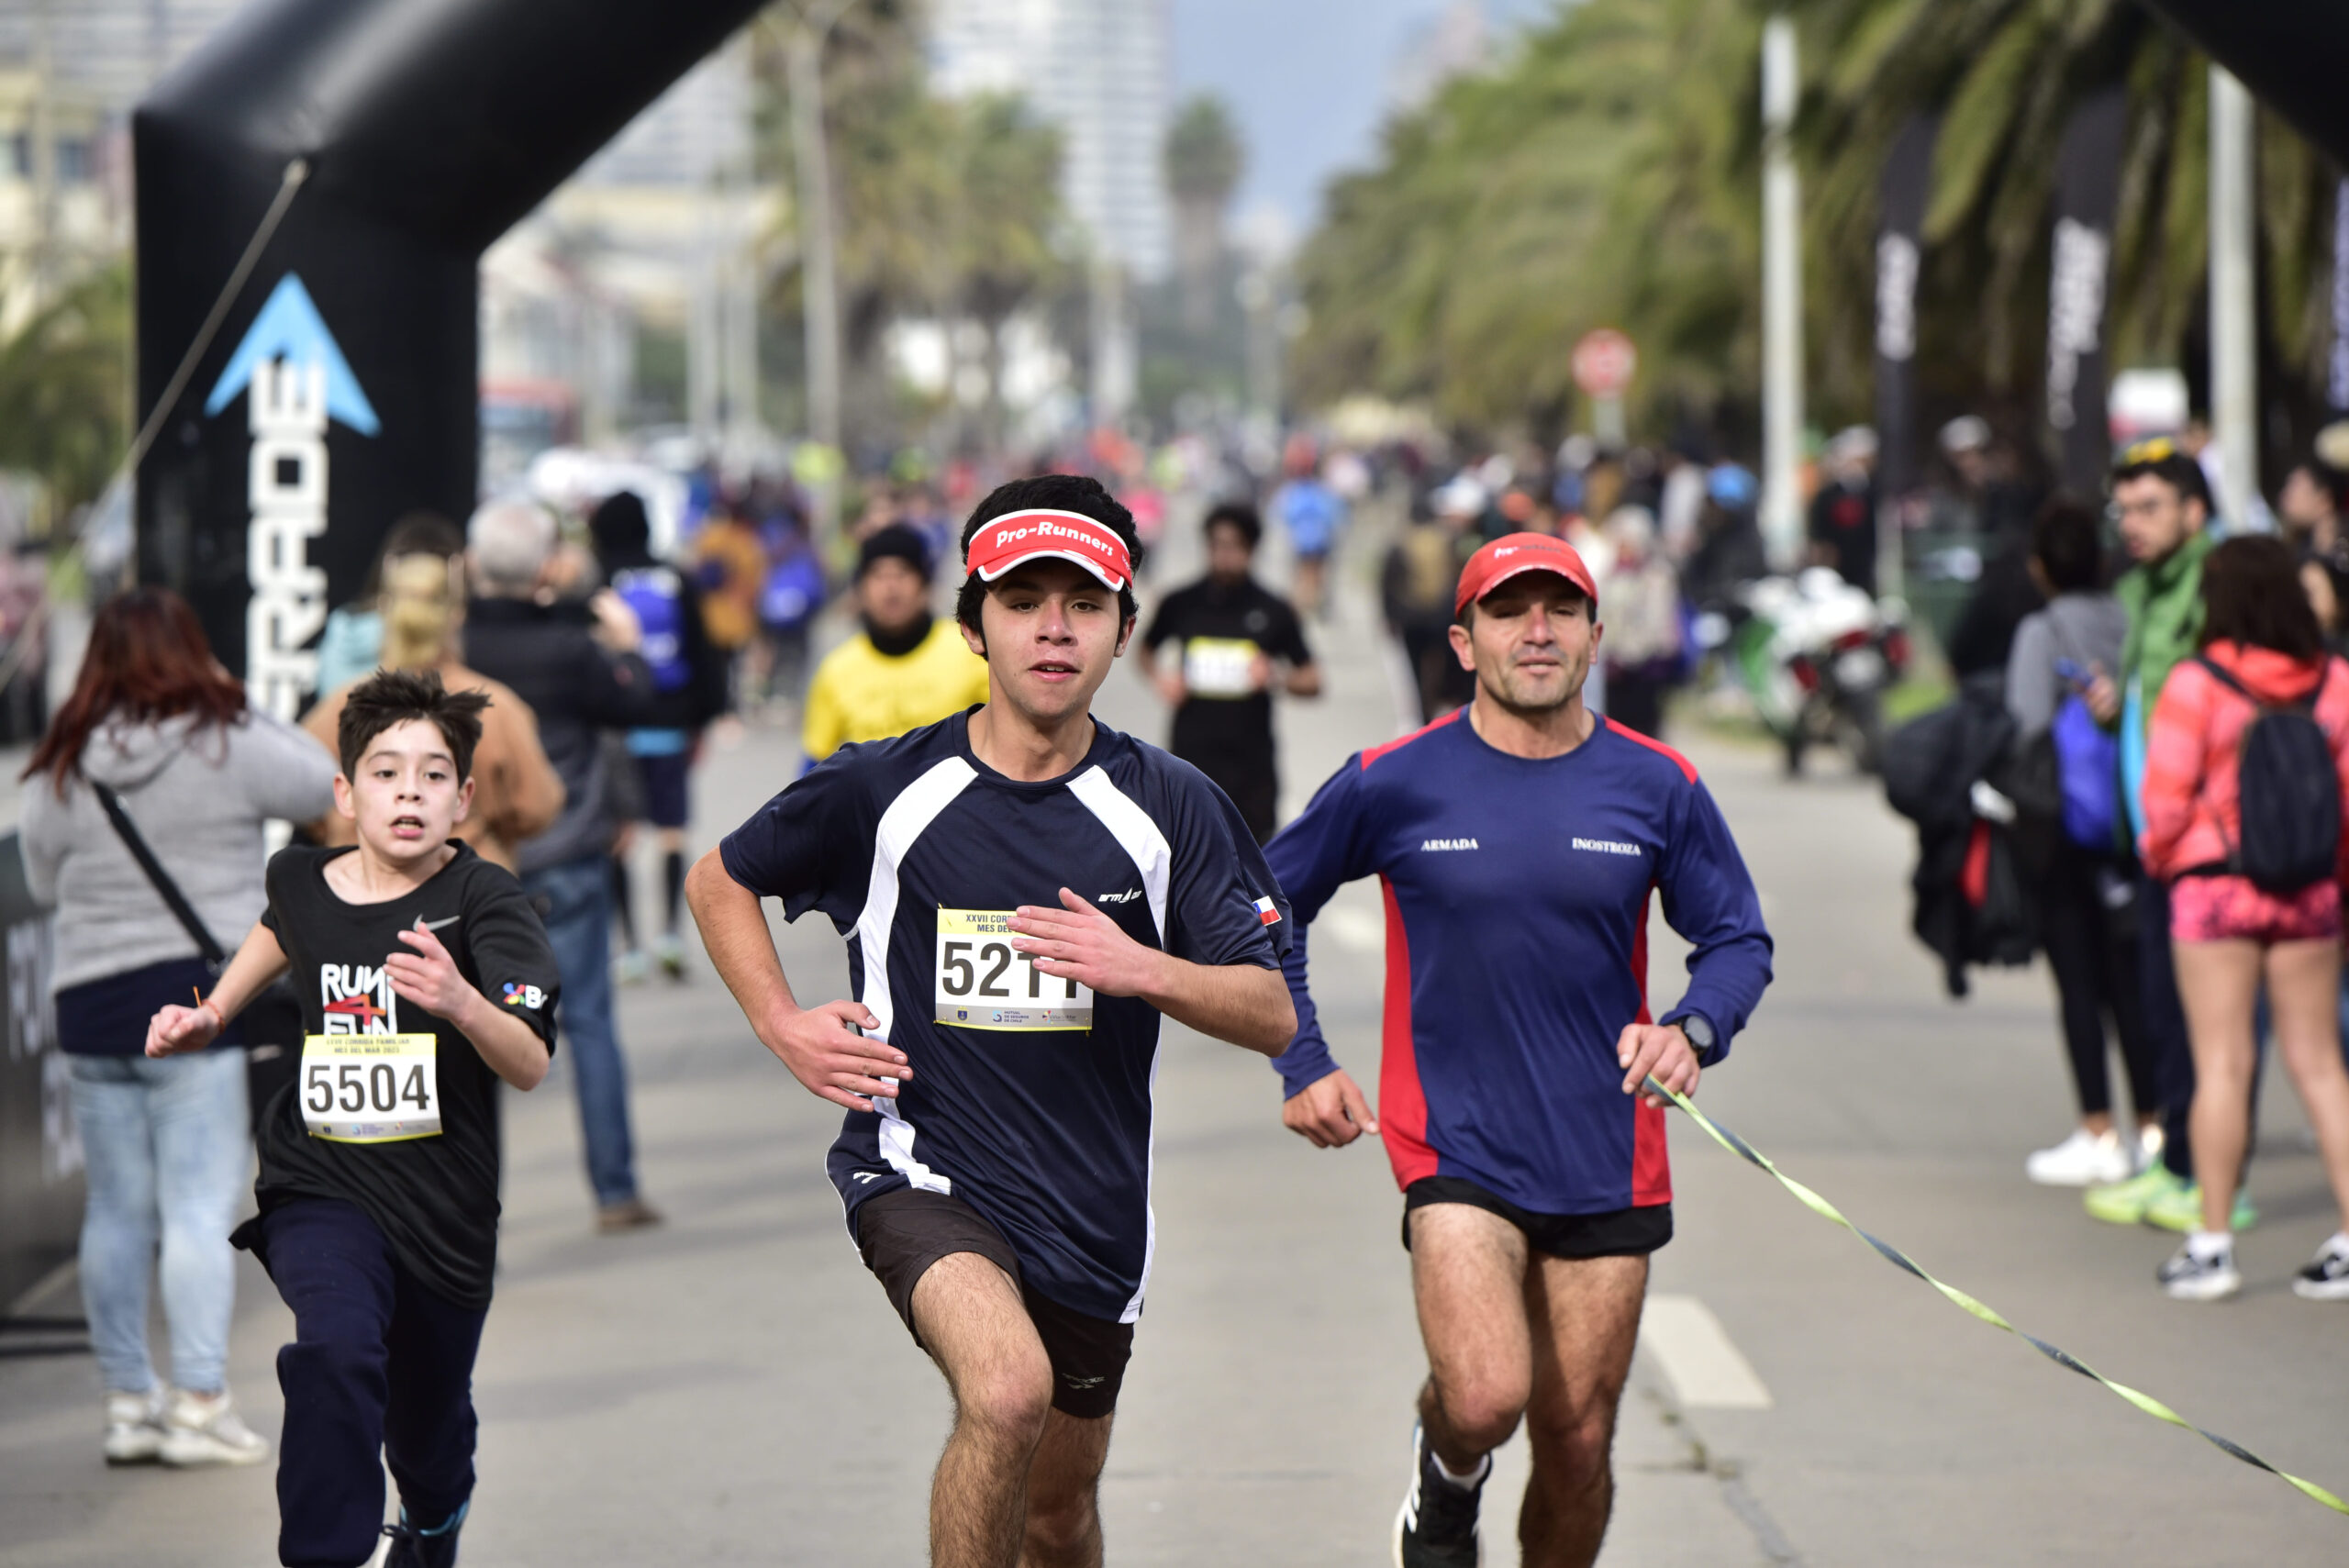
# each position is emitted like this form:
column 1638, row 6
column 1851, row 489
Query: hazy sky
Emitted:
column 1308, row 79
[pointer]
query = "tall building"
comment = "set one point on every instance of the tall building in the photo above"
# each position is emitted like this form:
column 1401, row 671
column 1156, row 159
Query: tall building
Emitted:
column 1101, row 71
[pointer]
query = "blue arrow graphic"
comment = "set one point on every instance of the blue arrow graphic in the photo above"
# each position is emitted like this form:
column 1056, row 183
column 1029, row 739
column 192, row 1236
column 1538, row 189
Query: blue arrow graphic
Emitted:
column 289, row 327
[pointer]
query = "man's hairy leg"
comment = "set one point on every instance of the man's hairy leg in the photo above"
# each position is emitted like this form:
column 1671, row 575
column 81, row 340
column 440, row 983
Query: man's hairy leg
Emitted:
column 970, row 1318
column 1468, row 1270
column 1064, row 1493
column 1585, row 1317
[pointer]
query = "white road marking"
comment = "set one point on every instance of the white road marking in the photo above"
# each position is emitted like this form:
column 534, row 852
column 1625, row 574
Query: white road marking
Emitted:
column 1358, row 930
column 1705, row 1371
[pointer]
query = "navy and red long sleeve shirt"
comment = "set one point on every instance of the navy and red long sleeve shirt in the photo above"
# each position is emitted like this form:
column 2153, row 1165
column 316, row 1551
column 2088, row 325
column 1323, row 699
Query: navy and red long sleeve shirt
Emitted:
column 1517, row 896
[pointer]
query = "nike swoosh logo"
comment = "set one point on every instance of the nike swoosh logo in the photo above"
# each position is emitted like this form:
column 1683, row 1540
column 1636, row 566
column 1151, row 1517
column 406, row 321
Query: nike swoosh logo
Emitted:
column 424, row 925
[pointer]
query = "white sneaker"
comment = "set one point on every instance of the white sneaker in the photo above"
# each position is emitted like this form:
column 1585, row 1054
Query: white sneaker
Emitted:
column 2187, row 1277
column 134, row 1428
column 2083, row 1160
column 205, row 1429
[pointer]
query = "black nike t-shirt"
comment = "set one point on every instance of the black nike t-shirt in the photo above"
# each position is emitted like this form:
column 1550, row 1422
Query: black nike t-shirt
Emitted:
column 1224, row 723
column 434, row 1197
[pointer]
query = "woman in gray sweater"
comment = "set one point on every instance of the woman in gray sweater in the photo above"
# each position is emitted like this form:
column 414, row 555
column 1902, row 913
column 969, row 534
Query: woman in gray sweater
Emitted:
column 2087, row 913
column 154, row 717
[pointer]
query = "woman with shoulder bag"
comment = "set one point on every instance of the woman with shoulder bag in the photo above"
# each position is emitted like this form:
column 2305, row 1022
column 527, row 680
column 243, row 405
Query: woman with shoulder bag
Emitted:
column 158, row 732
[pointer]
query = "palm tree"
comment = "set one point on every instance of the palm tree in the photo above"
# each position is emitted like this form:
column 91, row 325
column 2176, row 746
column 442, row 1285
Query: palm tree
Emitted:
column 1204, row 159
column 1008, row 224
column 65, row 390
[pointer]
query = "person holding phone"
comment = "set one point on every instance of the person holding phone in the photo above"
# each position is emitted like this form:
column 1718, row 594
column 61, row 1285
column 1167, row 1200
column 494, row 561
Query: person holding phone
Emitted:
column 2088, row 896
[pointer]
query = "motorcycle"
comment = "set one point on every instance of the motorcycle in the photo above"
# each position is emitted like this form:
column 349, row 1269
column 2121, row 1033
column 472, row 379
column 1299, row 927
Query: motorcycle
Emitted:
column 1817, row 655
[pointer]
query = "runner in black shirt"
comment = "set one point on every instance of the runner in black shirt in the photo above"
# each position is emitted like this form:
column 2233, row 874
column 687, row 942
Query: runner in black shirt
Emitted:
column 1233, row 632
column 425, row 977
column 1025, row 894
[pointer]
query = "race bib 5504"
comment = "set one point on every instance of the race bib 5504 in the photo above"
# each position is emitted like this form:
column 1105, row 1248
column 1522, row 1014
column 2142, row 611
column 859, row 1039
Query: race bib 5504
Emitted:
column 984, row 982
column 371, row 1089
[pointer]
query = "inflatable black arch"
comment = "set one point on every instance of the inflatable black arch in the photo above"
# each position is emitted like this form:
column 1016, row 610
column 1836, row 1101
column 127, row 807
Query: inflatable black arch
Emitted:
column 341, row 389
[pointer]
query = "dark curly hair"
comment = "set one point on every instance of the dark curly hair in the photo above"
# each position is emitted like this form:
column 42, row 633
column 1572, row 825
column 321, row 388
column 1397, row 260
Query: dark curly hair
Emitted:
column 393, row 696
column 2252, row 595
column 1049, row 492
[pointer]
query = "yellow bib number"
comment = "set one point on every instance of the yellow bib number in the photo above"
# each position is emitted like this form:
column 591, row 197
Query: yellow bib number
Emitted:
column 1219, row 666
column 371, row 1089
column 985, row 983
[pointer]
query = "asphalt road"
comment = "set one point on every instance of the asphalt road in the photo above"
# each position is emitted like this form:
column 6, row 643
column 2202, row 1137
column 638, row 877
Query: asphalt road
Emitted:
column 733, row 1388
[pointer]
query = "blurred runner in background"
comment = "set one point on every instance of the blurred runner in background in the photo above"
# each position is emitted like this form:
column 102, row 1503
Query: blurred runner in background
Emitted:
column 1842, row 514
column 1643, row 623
column 1314, row 517
column 905, row 669
column 1234, row 634
column 1415, row 586
column 690, row 671
column 790, row 599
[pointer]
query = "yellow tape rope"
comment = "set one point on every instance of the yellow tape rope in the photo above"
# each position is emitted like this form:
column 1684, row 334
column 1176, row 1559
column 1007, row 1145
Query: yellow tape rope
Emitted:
column 2063, row 1358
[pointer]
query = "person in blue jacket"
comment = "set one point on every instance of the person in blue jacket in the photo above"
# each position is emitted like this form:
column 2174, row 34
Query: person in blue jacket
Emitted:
column 1517, row 841
column 690, row 672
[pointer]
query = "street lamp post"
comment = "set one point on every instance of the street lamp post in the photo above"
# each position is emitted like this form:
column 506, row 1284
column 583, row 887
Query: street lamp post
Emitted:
column 1781, row 299
column 2235, row 323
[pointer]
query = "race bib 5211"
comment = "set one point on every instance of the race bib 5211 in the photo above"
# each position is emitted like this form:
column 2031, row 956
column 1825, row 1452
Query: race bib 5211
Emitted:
column 985, row 983
column 371, row 1089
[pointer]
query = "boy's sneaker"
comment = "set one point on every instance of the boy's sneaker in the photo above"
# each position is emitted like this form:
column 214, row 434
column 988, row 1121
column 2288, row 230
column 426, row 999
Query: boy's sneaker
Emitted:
column 2180, row 1209
column 2084, row 1160
column 672, row 956
column 134, row 1428
column 434, row 1548
column 2327, row 1276
column 205, row 1429
column 631, row 968
column 2124, row 1203
column 1437, row 1528
column 2199, row 1276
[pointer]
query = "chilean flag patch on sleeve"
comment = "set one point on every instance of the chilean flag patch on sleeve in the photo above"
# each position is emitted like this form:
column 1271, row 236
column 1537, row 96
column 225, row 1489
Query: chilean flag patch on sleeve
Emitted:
column 1266, row 914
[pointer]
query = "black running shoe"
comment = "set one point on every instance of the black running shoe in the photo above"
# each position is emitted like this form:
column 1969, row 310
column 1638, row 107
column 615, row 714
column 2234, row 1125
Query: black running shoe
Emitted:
column 414, row 1548
column 2327, row 1276
column 1437, row 1528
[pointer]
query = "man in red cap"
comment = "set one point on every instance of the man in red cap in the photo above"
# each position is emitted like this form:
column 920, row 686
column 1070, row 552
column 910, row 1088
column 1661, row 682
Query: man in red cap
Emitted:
column 1517, row 841
column 1025, row 894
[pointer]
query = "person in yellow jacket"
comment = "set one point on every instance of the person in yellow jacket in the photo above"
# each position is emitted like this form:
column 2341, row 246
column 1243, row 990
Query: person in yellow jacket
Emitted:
column 906, row 669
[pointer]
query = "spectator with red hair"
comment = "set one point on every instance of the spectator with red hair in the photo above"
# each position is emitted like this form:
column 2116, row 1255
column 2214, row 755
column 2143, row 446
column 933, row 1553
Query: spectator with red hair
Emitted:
column 155, row 720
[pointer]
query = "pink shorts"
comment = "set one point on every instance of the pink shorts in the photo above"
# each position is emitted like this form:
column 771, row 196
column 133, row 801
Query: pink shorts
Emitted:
column 2230, row 909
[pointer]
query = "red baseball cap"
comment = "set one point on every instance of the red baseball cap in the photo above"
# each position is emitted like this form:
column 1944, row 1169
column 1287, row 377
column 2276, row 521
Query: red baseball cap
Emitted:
column 1003, row 543
column 1510, row 554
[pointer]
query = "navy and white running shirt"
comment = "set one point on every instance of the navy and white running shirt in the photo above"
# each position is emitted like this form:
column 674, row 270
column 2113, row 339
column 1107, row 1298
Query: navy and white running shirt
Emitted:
column 918, row 850
column 1516, row 898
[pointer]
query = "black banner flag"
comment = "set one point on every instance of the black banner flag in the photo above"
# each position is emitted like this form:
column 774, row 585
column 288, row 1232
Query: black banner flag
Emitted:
column 2088, row 188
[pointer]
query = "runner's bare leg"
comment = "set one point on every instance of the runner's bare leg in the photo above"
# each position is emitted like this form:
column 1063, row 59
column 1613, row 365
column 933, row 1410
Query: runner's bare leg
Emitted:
column 971, row 1318
column 1064, row 1493
column 1585, row 1313
column 1468, row 1276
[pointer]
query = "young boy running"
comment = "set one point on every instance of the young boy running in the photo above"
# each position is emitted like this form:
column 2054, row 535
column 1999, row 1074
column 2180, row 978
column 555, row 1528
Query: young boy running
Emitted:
column 425, row 977
column 1025, row 894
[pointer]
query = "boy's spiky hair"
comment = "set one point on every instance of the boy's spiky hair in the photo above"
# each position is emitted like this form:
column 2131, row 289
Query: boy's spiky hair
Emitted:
column 395, row 696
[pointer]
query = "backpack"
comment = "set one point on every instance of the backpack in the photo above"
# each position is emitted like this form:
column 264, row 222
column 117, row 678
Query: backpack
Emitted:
column 2088, row 775
column 2290, row 792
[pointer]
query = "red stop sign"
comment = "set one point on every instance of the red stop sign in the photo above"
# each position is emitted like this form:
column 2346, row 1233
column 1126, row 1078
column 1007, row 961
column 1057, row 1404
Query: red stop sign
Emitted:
column 1604, row 361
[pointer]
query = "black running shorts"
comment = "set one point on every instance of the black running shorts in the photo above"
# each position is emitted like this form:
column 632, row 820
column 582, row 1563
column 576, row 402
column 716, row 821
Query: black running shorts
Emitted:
column 901, row 1233
column 1618, row 1233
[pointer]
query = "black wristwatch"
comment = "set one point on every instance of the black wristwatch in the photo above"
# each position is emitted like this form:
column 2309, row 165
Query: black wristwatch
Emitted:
column 1699, row 1030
